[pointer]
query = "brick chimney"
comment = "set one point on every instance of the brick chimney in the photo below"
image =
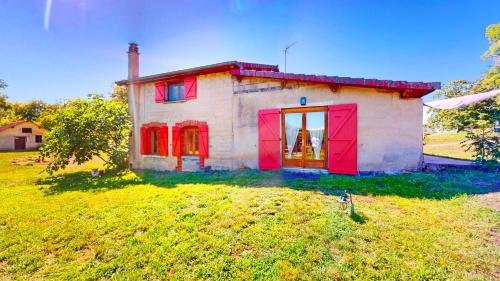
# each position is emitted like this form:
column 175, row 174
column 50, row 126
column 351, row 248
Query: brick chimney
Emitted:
column 133, row 91
column 133, row 61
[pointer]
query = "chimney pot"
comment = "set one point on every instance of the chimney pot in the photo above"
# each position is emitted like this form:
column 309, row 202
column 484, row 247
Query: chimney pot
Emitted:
column 133, row 61
column 133, row 48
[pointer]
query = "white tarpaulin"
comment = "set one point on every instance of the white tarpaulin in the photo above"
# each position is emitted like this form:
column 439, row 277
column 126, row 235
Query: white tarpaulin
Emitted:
column 461, row 101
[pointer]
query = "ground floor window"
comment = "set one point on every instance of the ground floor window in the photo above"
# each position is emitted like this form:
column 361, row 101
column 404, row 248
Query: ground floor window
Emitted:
column 190, row 145
column 38, row 139
column 154, row 140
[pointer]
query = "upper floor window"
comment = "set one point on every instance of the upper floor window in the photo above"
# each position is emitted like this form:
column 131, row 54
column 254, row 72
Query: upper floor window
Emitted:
column 27, row 130
column 179, row 90
column 175, row 91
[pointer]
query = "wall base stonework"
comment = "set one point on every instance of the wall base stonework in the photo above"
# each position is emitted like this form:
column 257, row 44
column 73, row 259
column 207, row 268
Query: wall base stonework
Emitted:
column 190, row 163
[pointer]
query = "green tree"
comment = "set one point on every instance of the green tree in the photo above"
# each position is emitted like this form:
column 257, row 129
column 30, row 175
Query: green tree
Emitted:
column 479, row 119
column 88, row 128
column 47, row 117
column 4, row 104
column 120, row 93
column 493, row 36
column 30, row 111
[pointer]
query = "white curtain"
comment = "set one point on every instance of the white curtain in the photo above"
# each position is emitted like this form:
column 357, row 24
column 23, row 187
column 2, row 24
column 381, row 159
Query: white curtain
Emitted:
column 317, row 141
column 291, row 137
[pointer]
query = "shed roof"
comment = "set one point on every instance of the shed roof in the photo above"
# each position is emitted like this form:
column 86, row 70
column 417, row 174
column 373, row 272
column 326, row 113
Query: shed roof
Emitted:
column 12, row 125
column 245, row 69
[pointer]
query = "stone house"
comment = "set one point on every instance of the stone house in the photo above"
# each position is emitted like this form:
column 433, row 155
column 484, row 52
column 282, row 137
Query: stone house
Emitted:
column 234, row 114
column 21, row 135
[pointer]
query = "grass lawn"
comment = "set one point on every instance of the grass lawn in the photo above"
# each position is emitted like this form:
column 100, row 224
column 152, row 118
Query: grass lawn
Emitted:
column 448, row 145
column 245, row 225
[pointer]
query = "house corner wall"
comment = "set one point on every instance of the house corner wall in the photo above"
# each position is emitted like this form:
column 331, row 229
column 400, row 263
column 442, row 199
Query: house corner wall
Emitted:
column 212, row 105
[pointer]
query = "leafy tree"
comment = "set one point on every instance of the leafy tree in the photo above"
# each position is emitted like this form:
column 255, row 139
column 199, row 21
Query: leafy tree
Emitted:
column 4, row 104
column 3, row 85
column 493, row 35
column 120, row 93
column 88, row 128
column 479, row 119
column 483, row 141
column 36, row 111
column 30, row 111
column 47, row 117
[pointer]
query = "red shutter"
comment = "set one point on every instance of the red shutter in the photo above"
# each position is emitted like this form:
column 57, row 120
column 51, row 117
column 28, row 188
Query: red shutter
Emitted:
column 149, row 145
column 163, row 142
column 269, row 139
column 203, row 140
column 176, row 141
column 190, row 88
column 143, row 140
column 343, row 139
column 160, row 92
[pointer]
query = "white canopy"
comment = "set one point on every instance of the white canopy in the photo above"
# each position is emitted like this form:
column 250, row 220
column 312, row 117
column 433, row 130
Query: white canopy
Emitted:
column 461, row 101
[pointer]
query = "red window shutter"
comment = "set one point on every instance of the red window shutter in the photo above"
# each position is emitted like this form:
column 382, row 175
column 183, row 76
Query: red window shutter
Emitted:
column 343, row 139
column 149, row 145
column 269, row 139
column 160, row 92
column 203, row 140
column 144, row 138
column 190, row 88
column 176, row 141
column 163, row 141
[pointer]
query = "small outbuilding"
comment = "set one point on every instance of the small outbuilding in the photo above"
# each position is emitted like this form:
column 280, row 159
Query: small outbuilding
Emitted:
column 21, row 135
column 236, row 114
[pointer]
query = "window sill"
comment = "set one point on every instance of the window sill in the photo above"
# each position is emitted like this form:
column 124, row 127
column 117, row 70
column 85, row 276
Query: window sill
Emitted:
column 153, row 156
column 190, row 156
column 177, row 101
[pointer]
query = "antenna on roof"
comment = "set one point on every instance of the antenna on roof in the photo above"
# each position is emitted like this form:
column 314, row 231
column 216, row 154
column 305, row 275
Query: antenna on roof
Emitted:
column 286, row 50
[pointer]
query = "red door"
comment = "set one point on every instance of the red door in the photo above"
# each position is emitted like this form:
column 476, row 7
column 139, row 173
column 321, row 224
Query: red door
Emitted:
column 343, row 139
column 19, row 143
column 269, row 139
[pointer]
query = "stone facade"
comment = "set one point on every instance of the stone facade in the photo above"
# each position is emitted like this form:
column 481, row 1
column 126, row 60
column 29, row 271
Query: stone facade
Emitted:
column 213, row 105
column 389, row 128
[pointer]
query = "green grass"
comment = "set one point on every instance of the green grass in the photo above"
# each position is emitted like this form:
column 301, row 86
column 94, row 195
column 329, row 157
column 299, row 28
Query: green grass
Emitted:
column 447, row 145
column 243, row 225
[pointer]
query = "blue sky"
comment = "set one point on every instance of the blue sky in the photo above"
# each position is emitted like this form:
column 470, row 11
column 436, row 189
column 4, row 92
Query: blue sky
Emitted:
column 82, row 48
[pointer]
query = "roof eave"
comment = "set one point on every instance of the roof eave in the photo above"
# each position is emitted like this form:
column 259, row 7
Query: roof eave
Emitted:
column 206, row 69
column 405, row 88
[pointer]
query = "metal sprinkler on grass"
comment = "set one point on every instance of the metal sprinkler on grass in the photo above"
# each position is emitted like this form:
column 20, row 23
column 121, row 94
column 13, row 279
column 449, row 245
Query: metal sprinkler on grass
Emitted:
column 345, row 199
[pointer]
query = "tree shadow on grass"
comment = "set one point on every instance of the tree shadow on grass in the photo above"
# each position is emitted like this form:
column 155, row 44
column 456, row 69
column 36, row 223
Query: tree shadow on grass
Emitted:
column 439, row 185
column 83, row 181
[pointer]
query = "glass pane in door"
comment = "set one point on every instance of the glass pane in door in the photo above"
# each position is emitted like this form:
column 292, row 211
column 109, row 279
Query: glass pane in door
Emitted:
column 293, row 136
column 315, row 144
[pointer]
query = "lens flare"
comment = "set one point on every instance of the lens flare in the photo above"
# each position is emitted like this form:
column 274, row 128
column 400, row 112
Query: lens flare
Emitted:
column 46, row 19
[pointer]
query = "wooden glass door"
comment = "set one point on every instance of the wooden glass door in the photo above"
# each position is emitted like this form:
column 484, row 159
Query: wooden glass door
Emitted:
column 304, row 137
